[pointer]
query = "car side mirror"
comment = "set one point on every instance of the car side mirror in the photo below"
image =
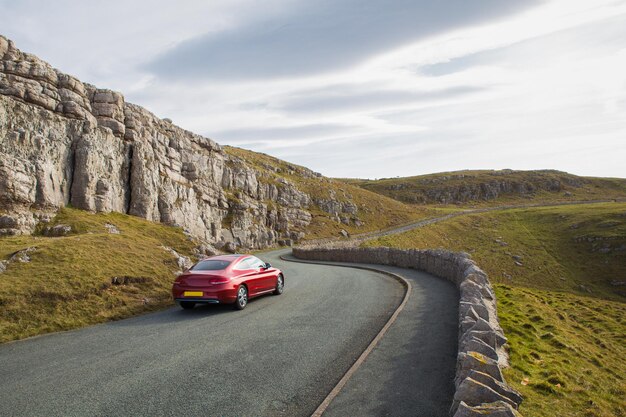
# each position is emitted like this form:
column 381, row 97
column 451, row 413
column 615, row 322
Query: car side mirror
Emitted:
column 267, row 265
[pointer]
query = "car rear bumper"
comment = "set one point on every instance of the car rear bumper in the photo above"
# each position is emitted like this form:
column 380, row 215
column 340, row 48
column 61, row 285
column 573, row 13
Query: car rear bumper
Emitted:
column 198, row 300
column 209, row 295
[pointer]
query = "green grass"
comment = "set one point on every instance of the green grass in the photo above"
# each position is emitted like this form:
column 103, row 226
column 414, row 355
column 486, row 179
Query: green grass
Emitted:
column 559, row 248
column 68, row 284
column 567, row 352
column 375, row 211
column 428, row 189
column 563, row 318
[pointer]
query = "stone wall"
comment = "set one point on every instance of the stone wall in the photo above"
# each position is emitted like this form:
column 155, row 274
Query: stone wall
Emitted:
column 480, row 387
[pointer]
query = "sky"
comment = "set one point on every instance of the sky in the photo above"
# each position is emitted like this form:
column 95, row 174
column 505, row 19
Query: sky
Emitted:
column 360, row 88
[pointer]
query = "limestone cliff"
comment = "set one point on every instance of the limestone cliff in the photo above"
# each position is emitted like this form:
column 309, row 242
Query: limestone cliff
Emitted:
column 64, row 142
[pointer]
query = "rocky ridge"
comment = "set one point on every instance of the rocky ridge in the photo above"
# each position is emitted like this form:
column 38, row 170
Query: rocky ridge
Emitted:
column 65, row 142
column 454, row 188
column 463, row 187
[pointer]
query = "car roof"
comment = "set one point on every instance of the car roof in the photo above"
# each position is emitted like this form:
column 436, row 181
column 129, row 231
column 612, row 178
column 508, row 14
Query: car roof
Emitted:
column 231, row 257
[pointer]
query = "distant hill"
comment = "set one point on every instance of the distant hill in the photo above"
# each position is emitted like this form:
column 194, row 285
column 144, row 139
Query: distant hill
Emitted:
column 488, row 187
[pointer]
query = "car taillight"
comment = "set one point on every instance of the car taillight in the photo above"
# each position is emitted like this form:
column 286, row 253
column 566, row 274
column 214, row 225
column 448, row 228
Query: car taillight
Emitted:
column 219, row 280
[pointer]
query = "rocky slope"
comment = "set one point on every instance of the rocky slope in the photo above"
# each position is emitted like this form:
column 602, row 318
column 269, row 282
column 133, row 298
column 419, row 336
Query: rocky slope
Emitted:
column 64, row 142
column 497, row 187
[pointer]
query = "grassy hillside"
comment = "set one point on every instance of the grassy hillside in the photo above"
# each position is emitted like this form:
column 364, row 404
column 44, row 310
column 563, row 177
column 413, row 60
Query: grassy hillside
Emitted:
column 577, row 248
column 495, row 188
column 68, row 282
column 560, row 304
column 374, row 210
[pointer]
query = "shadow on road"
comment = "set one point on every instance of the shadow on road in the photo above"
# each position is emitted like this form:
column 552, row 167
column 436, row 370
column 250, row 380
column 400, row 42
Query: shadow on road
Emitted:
column 176, row 314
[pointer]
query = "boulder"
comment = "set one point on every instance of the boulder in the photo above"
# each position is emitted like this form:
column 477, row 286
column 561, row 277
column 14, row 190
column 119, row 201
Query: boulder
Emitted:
column 111, row 228
column 22, row 255
column 183, row 262
column 57, row 230
column 203, row 250
column 8, row 222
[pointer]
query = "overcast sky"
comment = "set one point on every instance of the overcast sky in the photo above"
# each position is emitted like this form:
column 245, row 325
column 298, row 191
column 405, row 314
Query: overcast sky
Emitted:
column 360, row 88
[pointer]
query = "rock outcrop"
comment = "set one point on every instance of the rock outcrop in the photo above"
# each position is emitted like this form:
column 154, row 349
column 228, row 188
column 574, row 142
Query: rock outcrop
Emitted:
column 480, row 386
column 474, row 186
column 490, row 189
column 67, row 142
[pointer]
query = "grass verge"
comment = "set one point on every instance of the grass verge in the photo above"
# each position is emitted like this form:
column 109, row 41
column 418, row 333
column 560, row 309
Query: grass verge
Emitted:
column 566, row 352
column 68, row 282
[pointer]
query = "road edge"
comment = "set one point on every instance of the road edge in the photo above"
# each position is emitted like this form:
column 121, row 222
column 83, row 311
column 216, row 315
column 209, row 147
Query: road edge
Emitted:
column 357, row 364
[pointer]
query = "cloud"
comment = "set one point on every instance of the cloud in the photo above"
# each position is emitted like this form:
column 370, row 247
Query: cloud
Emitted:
column 320, row 36
column 459, row 64
column 106, row 42
column 361, row 89
column 374, row 154
column 302, row 133
column 527, row 52
column 355, row 97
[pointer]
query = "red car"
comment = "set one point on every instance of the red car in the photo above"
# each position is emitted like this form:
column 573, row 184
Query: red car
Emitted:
column 227, row 279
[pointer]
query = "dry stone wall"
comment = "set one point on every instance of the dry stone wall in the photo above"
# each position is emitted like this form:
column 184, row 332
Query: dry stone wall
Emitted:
column 65, row 142
column 480, row 387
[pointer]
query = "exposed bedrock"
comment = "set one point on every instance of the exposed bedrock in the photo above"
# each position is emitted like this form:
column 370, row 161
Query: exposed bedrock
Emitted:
column 66, row 142
column 459, row 188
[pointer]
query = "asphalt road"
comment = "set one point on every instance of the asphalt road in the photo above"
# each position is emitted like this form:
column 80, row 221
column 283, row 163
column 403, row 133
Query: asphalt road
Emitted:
column 279, row 356
column 411, row 370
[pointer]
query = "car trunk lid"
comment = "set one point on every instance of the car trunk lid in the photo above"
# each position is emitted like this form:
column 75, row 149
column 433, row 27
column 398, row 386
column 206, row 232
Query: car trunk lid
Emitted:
column 201, row 279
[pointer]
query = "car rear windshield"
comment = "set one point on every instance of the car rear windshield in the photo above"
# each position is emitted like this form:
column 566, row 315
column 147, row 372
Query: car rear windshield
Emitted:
column 210, row 265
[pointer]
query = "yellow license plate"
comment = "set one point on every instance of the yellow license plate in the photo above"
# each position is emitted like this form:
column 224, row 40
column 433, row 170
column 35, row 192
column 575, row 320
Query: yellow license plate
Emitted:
column 192, row 294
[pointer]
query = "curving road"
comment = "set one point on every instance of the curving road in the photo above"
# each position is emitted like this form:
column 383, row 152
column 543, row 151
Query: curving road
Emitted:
column 280, row 356
column 410, row 371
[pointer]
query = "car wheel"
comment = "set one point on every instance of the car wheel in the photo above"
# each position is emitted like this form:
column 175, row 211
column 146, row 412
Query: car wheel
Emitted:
column 187, row 305
column 242, row 298
column 280, row 285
